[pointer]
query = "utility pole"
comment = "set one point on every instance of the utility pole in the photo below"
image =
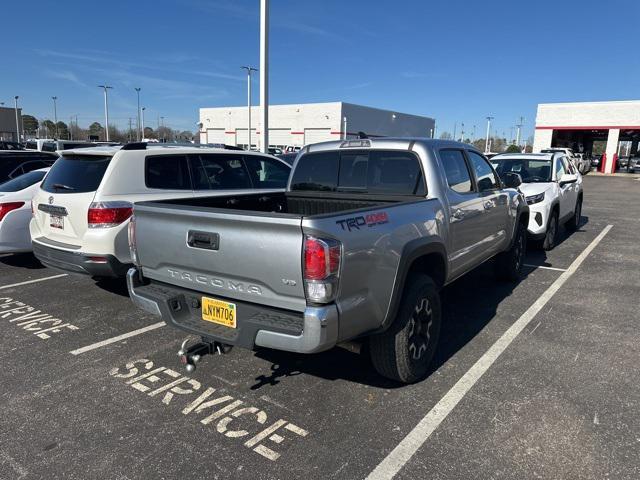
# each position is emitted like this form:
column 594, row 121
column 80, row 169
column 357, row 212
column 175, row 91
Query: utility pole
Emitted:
column 162, row 125
column 249, row 70
column 264, row 75
column 17, row 120
column 143, row 109
column 473, row 135
column 71, row 127
column 55, row 114
column 130, row 129
column 518, row 131
column 462, row 133
column 106, row 110
column 486, row 145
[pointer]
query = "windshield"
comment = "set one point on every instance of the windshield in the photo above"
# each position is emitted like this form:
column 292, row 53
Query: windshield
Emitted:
column 22, row 182
column 531, row 171
column 76, row 174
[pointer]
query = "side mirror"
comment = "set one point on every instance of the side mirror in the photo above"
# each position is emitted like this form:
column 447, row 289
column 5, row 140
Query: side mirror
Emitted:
column 512, row 180
column 567, row 178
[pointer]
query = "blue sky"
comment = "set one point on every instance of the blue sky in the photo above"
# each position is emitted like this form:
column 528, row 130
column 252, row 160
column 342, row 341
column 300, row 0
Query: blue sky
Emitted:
column 456, row 61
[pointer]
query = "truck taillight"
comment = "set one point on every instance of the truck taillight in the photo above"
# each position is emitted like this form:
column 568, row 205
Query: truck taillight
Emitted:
column 7, row 207
column 108, row 214
column 321, row 268
column 131, row 230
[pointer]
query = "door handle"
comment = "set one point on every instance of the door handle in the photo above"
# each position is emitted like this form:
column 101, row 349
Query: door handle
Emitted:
column 204, row 240
column 488, row 205
column 458, row 213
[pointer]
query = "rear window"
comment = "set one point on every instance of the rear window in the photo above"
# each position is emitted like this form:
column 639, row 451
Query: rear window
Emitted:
column 22, row 182
column 76, row 174
column 383, row 172
column 267, row 172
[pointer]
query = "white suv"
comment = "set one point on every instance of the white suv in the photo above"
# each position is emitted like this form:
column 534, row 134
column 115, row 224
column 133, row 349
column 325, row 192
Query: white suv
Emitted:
column 80, row 211
column 552, row 187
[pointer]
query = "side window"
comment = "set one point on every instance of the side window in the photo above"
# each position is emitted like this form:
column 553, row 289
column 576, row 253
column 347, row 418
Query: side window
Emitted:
column 316, row 172
column 456, row 171
column 167, row 172
column 18, row 171
column 395, row 173
column 560, row 168
column 266, row 172
column 485, row 175
column 219, row 172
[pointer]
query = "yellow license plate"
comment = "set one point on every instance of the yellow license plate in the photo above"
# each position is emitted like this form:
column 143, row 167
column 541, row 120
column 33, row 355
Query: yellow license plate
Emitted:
column 218, row 311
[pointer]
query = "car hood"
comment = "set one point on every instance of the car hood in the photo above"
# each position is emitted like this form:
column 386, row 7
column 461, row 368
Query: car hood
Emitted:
column 530, row 189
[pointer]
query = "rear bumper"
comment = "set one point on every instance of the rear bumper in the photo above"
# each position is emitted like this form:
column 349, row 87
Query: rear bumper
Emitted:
column 314, row 330
column 95, row 265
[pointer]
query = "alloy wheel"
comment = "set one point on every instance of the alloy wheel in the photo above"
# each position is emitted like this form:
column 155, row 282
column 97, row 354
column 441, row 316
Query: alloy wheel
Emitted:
column 420, row 329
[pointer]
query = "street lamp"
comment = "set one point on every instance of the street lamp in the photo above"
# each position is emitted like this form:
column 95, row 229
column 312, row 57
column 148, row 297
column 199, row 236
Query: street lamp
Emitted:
column 17, row 121
column 55, row 114
column 486, row 145
column 162, row 125
column 143, row 109
column 249, row 70
column 106, row 109
column 139, row 136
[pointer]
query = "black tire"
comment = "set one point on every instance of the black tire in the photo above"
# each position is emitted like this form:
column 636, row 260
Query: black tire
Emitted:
column 551, row 235
column 508, row 265
column 574, row 223
column 403, row 352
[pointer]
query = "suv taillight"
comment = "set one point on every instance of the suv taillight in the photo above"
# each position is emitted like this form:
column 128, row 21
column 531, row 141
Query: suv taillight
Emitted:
column 321, row 268
column 131, row 230
column 108, row 214
column 7, row 207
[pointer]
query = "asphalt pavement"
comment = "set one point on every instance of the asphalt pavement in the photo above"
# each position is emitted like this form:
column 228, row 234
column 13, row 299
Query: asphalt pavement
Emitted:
column 532, row 380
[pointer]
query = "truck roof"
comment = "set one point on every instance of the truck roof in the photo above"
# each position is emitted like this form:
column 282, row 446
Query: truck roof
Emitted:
column 156, row 149
column 387, row 142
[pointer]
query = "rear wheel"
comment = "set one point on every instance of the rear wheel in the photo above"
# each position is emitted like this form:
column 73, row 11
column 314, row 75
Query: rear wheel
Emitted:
column 509, row 264
column 403, row 352
column 552, row 232
column 574, row 223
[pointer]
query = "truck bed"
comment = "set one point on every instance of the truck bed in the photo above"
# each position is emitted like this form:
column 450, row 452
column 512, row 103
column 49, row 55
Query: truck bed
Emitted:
column 297, row 204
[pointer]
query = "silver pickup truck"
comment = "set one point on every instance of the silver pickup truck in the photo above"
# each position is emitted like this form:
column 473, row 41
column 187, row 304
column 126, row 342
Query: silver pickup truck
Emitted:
column 358, row 245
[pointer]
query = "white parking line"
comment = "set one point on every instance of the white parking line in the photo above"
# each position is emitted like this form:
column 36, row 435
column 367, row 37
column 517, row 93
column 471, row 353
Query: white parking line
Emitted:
column 109, row 341
column 544, row 267
column 33, row 281
column 400, row 455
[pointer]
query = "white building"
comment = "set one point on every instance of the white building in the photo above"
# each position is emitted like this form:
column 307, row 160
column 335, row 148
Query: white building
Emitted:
column 302, row 124
column 578, row 125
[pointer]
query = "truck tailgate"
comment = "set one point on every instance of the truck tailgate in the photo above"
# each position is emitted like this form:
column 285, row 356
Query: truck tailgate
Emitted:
column 253, row 258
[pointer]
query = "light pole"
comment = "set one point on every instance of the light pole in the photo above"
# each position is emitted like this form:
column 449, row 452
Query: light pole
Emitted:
column 249, row 70
column 106, row 110
column 264, row 74
column 138, row 136
column 55, row 114
column 17, row 121
column 143, row 109
column 462, row 133
column 162, row 125
column 344, row 127
column 486, row 146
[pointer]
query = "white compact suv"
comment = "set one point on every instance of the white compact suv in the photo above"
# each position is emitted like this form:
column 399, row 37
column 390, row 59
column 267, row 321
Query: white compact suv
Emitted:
column 552, row 187
column 81, row 209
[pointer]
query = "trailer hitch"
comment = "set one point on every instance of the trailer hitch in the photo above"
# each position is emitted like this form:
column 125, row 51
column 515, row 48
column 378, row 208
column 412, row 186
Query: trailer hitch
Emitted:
column 190, row 356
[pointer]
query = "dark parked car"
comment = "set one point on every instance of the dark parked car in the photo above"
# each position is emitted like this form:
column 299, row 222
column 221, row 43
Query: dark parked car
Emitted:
column 288, row 157
column 16, row 162
column 4, row 145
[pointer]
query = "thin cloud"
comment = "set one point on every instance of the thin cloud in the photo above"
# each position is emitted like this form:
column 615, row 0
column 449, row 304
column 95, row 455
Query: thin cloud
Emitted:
column 66, row 75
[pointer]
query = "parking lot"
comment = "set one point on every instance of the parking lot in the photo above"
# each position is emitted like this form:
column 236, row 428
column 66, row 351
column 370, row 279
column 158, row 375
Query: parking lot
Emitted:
column 534, row 380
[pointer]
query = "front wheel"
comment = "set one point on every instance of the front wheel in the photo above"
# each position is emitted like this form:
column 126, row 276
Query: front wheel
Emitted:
column 404, row 351
column 508, row 264
column 552, row 232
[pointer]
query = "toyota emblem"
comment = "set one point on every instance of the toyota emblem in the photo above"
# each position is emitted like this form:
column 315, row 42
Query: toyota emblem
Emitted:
column 51, row 200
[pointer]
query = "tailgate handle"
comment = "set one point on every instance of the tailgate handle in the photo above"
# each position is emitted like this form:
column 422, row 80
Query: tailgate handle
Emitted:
column 204, row 240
